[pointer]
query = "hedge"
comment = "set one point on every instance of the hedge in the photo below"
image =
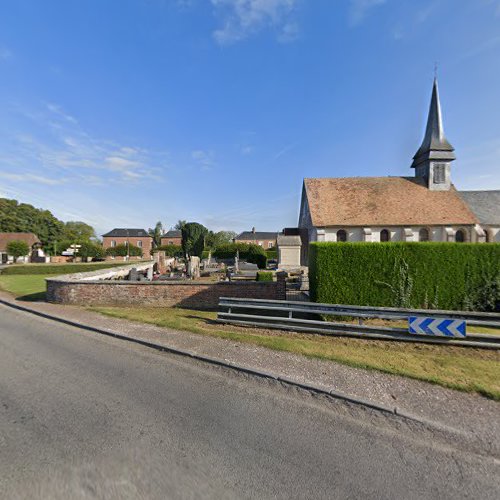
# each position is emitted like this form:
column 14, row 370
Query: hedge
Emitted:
column 456, row 276
column 56, row 268
column 124, row 250
column 264, row 276
column 251, row 253
column 170, row 250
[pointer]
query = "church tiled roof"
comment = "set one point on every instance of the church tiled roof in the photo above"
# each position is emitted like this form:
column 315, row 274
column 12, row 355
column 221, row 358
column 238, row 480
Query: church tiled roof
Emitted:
column 485, row 204
column 383, row 201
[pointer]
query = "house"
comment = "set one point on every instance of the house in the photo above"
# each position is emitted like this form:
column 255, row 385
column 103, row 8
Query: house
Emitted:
column 119, row 236
column 262, row 238
column 172, row 237
column 426, row 207
column 31, row 239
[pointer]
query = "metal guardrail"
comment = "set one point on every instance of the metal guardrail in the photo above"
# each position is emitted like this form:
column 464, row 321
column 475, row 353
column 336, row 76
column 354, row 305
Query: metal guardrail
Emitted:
column 285, row 315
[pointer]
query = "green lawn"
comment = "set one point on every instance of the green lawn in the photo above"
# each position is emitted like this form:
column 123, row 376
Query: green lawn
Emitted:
column 465, row 369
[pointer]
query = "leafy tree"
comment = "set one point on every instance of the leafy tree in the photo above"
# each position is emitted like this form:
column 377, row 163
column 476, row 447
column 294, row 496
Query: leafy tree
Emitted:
column 179, row 225
column 93, row 250
column 170, row 250
column 193, row 239
column 17, row 248
column 21, row 217
column 214, row 240
column 156, row 233
column 77, row 231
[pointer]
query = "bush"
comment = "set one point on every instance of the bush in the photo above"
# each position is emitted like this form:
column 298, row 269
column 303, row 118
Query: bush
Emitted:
column 264, row 276
column 432, row 275
column 272, row 253
column 124, row 250
column 56, row 268
column 18, row 248
column 251, row 253
column 91, row 250
column 170, row 250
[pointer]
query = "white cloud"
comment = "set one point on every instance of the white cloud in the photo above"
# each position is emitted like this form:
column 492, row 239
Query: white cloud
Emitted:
column 246, row 150
column 206, row 159
column 242, row 18
column 32, row 178
column 59, row 148
column 361, row 8
column 5, row 53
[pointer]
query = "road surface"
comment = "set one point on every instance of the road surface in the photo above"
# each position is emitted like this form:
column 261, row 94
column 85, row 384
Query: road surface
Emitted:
column 86, row 416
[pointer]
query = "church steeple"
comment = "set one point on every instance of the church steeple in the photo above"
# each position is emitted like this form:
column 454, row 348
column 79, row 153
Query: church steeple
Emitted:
column 433, row 158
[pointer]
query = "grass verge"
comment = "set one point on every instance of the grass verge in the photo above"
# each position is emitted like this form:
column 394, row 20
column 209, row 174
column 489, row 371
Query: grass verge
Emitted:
column 470, row 370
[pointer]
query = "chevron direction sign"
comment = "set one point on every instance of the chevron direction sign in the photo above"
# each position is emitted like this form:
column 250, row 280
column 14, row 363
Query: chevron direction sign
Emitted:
column 421, row 325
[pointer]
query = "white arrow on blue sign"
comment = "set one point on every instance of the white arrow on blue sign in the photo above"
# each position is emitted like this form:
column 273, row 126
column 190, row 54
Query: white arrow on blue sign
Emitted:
column 421, row 325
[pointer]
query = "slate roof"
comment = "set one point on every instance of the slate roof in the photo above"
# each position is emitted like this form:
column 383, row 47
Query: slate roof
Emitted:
column 127, row 233
column 383, row 201
column 484, row 204
column 258, row 235
column 435, row 146
column 173, row 233
column 29, row 238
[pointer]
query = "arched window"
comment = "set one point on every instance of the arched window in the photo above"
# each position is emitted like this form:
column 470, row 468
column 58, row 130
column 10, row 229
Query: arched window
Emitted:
column 460, row 236
column 487, row 235
column 385, row 235
column 423, row 234
column 341, row 235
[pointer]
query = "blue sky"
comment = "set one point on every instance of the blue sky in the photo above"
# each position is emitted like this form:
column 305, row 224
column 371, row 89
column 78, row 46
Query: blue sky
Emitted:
column 124, row 112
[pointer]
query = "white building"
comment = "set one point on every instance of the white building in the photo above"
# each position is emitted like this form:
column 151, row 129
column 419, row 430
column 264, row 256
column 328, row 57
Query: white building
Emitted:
column 426, row 207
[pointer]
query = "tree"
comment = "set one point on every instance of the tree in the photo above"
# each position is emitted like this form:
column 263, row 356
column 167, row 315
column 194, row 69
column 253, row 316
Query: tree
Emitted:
column 17, row 249
column 193, row 239
column 156, row 233
column 214, row 240
column 180, row 224
column 77, row 231
column 93, row 250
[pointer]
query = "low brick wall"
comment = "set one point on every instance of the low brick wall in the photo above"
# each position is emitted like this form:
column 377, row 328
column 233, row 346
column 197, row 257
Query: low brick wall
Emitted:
column 103, row 288
column 193, row 294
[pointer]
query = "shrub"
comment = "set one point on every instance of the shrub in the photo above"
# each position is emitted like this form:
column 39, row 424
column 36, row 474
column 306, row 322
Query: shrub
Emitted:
column 251, row 253
column 272, row 253
column 124, row 250
column 193, row 238
column 92, row 250
column 170, row 250
column 418, row 275
column 264, row 276
column 17, row 248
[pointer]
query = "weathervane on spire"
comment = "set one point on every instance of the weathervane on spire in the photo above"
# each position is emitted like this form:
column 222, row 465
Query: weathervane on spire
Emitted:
column 435, row 70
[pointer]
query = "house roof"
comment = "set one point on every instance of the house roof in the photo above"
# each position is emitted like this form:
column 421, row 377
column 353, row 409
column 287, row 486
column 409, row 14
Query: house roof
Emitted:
column 127, row 233
column 173, row 233
column 29, row 238
column 484, row 204
column 383, row 201
column 257, row 235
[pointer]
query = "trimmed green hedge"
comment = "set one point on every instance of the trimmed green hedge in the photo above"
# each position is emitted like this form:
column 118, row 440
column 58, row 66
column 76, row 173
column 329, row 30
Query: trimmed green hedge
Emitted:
column 123, row 250
column 457, row 276
column 264, row 276
column 170, row 250
column 251, row 253
column 57, row 268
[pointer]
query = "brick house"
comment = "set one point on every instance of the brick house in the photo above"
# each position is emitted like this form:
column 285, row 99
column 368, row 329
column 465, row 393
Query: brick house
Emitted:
column 5, row 238
column 121, row 236
column 172, row 237
column 264, row 239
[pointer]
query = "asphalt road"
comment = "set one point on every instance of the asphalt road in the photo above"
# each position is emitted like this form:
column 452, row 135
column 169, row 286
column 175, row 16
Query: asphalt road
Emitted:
column 86, row 416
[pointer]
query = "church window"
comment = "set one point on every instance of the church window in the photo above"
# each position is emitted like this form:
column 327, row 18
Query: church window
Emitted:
column 460, row 236
column 423, row 234
column 439, row 173
column 341, row 235
column 385, row 235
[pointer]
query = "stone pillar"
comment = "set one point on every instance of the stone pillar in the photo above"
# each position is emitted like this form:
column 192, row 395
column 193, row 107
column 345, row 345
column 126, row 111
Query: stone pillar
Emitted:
column 281, row 285
column 367, row 234
column 408, row 234
column 161, row 265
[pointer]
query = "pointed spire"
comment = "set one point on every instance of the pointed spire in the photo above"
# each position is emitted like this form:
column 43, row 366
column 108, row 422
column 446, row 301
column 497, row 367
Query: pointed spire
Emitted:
column 435, row 146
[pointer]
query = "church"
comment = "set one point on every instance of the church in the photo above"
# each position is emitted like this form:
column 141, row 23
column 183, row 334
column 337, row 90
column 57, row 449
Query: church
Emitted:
column 426, row 207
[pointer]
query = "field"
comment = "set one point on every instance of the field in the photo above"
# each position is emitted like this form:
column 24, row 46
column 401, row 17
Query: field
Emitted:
column 465, row 369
